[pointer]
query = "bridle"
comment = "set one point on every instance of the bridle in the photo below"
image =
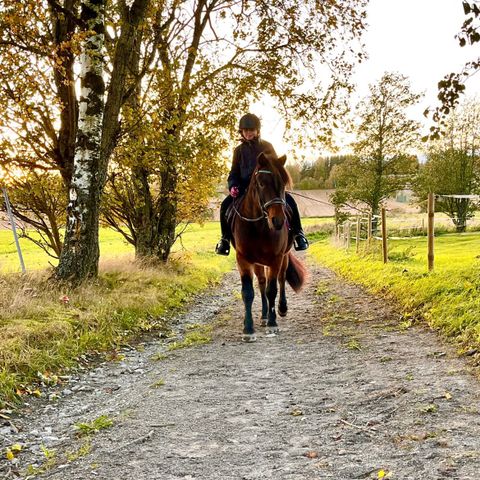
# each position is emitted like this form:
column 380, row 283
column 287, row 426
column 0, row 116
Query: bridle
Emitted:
column 264, row 207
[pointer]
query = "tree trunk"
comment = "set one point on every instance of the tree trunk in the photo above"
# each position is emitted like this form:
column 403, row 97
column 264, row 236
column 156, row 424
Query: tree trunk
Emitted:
column 462, row 213
column 80, row 254
column 168, row 211
column 146, row 234
column 375, row 214
column 63, row 29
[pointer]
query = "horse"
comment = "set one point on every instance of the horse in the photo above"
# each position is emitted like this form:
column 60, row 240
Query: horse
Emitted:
column 262, row 241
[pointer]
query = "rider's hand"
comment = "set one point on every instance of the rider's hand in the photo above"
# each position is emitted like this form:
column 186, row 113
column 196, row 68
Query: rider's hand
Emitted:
column 234, row 192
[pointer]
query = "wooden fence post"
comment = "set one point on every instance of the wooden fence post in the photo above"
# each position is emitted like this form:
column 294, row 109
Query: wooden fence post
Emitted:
column 369, row 229
column 431, row 230
column 348, row 235
column 357, row 240
column 384, row 236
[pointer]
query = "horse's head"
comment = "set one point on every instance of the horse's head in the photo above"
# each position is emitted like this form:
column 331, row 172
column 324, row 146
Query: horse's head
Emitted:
column 270, row 179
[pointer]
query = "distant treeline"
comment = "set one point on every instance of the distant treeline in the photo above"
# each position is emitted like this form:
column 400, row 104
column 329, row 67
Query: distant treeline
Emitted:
column 317, row 175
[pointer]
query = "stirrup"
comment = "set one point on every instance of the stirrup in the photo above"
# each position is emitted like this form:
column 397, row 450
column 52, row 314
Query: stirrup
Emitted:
column 300, row 242
column 223, row 247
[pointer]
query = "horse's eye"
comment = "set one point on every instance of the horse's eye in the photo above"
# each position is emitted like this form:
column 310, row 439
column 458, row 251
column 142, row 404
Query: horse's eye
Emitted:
column 260, row 184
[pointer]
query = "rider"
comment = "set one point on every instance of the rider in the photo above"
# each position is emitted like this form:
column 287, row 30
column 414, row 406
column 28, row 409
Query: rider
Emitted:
column 243, row 164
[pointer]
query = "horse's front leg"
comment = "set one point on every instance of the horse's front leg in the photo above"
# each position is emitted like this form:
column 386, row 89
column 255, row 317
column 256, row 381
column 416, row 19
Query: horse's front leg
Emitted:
column 272, row 290
column 246, row 275
column 262, row 285
column 282, row 301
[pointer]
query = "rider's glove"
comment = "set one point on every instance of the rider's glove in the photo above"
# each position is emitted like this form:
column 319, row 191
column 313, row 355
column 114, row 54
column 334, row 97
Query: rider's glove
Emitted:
column 234, row 192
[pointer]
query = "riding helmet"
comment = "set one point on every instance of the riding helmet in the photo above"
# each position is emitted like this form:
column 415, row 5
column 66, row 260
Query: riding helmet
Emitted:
column 249, row 120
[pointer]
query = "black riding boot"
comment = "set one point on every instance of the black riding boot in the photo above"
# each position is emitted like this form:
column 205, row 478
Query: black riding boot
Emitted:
column 300, row 241
column 223, row 246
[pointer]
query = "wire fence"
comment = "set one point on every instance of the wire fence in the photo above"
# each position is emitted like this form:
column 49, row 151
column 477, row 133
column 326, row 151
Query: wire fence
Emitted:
column 367, row 229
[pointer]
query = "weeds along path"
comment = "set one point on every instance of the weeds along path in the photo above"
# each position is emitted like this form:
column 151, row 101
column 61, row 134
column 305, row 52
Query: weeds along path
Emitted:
column 344, row 392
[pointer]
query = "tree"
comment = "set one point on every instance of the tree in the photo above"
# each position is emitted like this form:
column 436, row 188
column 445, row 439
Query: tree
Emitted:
column 190, row 51
column 194, row 100
column 453, row 166
column 39, row 46
column 381, row 164
column 38, row 199
column 452, row 86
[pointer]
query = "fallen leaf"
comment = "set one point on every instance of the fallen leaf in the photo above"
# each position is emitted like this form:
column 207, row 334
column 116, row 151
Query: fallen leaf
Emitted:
column 9, row 454
column 296, row 412
column 384, row 474
column 311, row 454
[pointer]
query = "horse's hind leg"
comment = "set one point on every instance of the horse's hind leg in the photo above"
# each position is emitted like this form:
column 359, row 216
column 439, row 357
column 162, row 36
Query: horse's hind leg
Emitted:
column 246, row 275
column 282, row 301
column 262, row 285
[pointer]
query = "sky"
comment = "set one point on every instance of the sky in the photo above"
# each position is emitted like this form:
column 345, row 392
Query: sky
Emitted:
column 413, row 37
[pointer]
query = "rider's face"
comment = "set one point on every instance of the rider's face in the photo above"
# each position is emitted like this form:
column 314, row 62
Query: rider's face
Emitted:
column 249, row 133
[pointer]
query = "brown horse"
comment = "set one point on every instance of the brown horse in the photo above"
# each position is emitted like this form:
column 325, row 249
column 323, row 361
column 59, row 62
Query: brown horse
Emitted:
column 263, row 241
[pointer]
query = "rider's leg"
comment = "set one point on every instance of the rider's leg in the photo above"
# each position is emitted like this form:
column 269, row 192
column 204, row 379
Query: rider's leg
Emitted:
column 300, row 242
column 223, row 246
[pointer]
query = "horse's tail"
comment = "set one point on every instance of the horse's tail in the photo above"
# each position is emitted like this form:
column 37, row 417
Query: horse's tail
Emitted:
column 296, row 273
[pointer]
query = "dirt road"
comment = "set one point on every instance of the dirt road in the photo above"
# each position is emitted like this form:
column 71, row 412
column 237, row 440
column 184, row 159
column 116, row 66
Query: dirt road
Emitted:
column 344, row 392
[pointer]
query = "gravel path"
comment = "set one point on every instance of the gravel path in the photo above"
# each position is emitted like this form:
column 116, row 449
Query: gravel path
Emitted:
column 342, row 393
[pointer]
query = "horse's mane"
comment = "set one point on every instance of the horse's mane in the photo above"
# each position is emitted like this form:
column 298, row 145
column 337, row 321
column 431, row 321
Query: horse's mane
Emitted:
column 275, row 163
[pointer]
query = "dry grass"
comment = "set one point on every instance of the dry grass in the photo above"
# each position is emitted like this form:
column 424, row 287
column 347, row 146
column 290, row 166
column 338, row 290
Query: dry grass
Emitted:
column 45, row 328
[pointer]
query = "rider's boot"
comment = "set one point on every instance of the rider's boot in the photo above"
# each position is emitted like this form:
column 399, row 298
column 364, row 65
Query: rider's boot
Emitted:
column 223, row 247
column 300, row 241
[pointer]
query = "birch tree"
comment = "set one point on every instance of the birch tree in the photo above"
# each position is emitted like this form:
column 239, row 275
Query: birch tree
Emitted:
column 80, row 254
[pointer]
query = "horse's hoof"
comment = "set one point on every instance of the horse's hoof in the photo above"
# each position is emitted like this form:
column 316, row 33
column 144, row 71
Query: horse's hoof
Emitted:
column 263, row 322
column 282, row 313
column 272, row 331
column 249, row 338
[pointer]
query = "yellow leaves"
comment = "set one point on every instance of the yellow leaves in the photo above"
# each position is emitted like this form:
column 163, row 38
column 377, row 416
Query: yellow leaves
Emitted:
column 448, row 395
column 28, row 391
column 10, row 452
column 384, row 474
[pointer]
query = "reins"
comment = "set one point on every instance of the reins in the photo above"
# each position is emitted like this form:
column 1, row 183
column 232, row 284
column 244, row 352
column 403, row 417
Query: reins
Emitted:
column 274, row 201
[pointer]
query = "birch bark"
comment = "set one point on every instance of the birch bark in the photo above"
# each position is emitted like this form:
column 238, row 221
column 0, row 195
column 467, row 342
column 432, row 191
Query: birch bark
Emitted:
column 79, row 258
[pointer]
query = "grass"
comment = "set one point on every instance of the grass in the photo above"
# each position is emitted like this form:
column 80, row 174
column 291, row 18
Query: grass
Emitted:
column 200, row 335
column 89, row 428
column 447, row 297
column 198, row 239
column 46, row 331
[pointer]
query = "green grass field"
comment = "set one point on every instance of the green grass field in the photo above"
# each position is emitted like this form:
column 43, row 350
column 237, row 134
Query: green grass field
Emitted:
column 197, row 238
column 447, row 297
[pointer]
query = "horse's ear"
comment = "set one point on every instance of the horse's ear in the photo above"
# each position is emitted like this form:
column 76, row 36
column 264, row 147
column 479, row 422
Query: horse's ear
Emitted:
column 261, row 160
column 282, row 159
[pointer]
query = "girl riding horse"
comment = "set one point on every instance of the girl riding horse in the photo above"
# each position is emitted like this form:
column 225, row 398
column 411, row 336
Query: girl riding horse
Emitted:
column 244, row 163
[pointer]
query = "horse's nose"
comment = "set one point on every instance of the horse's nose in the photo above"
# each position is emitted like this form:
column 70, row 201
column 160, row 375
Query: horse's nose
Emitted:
column 277, row 222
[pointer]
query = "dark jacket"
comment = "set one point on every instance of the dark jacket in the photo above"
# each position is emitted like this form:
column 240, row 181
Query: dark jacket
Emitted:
column 245, row 160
